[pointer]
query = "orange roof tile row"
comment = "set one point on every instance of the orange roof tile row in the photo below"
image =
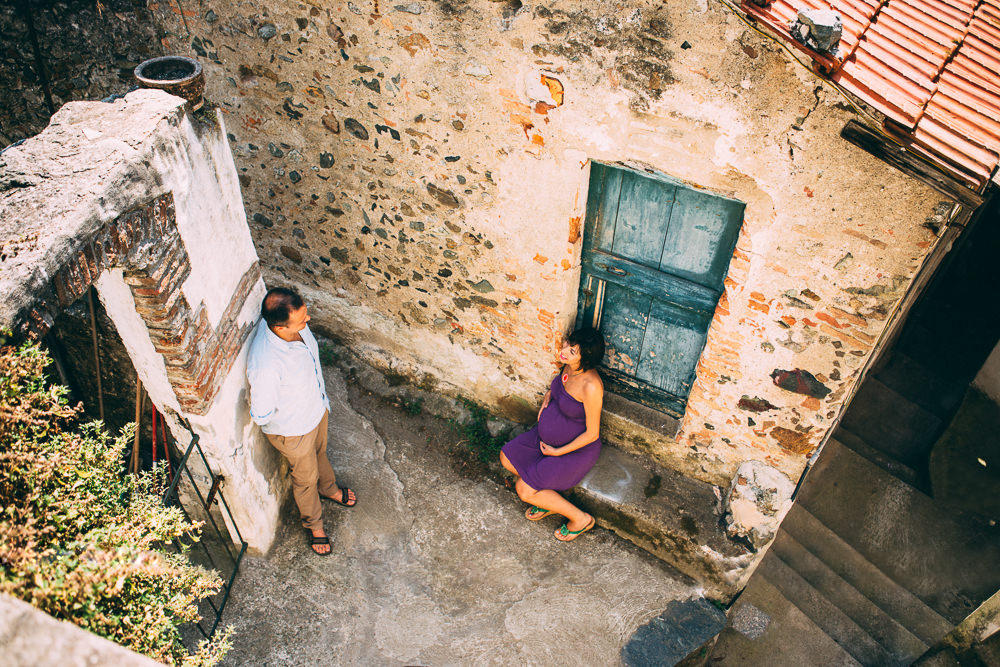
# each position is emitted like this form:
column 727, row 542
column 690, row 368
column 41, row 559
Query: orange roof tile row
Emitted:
column 931, row 66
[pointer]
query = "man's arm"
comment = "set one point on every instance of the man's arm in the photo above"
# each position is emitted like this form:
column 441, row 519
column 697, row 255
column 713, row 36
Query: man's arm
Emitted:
column 263, row 393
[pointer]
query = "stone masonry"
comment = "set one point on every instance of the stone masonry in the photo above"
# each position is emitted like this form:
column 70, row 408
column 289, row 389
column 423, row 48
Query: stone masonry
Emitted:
column 421, row 171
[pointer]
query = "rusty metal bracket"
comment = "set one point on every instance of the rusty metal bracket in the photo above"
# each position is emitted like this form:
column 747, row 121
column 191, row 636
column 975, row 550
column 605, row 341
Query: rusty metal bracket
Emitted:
column 216, row 481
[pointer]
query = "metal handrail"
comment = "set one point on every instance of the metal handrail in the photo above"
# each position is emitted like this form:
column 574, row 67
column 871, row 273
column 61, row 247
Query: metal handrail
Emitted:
column 206, row 501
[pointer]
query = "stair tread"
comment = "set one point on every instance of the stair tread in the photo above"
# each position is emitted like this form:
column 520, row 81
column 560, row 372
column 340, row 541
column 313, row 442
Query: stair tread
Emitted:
column 894, row 467
column 926, row 387
column 892, row 423
column 854, row 569
column 788, row 637
column 895, row 638
column 834, row 622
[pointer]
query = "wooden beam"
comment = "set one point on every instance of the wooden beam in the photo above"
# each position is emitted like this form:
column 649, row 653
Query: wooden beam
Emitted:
column 897, row 156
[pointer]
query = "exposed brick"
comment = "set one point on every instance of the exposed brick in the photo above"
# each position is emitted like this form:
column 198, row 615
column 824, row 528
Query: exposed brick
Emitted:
column 823, row 317
column 853, row 318
column 844, row 336
column 868, row 338
column 88, row 258
column 145, row 242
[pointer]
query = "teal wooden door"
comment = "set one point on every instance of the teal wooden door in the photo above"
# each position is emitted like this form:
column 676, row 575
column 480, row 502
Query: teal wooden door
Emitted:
column 655, row 256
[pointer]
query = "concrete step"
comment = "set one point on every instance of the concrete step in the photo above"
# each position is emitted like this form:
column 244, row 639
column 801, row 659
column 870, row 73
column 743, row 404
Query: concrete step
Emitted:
column 943, row 558
column 936, row 393
column 897, row 469
column 898, row 642
column 764, row 628
column 904, row 608
column 892, row 424
column 670, row 515
column 826, row 615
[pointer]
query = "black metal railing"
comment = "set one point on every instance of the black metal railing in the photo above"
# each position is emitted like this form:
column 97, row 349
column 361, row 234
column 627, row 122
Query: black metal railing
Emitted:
column 216, row 545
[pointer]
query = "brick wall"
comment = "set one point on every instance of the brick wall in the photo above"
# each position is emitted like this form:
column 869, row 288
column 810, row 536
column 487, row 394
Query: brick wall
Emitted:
column 145, row 242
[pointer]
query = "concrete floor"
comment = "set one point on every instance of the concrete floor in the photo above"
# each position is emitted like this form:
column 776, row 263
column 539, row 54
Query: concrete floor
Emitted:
column 436, row 565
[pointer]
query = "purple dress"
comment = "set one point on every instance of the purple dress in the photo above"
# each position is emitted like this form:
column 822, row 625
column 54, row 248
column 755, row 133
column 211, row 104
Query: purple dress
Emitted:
column 560, row 423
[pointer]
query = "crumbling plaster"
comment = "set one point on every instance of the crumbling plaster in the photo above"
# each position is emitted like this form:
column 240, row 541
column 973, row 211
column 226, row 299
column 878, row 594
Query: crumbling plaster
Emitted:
column 96, row 161
column 399, row 165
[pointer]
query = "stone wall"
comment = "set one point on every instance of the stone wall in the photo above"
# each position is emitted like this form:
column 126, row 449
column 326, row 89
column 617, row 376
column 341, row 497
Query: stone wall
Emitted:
column 420, row 170
column 29, row 637
column 87, row 51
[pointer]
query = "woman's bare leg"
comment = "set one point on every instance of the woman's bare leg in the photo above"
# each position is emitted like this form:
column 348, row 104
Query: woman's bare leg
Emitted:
column 505, row 462
column 553, row 502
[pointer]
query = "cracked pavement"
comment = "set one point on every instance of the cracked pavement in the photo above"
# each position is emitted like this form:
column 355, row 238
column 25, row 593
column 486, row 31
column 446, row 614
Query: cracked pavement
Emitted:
column 435, row 566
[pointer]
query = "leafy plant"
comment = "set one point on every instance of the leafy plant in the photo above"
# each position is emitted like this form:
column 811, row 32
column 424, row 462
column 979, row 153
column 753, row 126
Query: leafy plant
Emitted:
column 414, row 406
column 327, row 354
column 79, row 538
column 476, row 433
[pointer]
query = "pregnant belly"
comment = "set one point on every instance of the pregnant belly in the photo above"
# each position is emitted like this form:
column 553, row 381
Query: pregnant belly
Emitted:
column 556, row 430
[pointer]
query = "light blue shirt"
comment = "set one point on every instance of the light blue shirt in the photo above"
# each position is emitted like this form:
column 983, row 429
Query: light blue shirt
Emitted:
column 287, row 392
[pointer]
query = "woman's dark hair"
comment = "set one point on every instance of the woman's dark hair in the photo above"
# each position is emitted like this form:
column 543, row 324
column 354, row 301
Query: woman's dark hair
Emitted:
column 591, row 344
column 278, row 304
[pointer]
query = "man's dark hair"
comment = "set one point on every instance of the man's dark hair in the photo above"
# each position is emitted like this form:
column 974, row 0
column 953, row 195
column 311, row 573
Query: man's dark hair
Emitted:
column 278, row 304
column 591, row 344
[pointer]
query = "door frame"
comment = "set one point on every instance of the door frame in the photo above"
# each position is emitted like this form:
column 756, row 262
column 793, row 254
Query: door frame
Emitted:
column 620, row 383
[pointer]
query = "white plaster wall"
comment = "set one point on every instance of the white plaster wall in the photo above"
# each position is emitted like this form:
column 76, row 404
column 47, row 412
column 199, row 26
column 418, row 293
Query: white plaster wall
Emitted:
column 199, row 170
column 988, row 378
column 196, row 166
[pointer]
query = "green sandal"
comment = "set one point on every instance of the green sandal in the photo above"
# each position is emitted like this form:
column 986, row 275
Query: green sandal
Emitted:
column 536, row 513
column 564, row 534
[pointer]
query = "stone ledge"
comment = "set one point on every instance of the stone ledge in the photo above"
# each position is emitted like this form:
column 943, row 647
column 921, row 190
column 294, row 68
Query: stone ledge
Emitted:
column 674, row 517
column 683, row 628
column 30, row 637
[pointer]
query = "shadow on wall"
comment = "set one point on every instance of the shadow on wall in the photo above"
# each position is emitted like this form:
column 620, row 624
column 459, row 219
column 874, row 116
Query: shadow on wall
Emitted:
column 45, row 64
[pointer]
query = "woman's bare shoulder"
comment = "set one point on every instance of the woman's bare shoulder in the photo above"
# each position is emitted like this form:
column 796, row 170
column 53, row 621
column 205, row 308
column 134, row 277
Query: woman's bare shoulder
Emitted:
column 592, row 382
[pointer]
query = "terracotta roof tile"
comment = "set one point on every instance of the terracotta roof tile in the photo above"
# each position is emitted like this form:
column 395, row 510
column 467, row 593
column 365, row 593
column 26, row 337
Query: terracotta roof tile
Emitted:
column 932, row 67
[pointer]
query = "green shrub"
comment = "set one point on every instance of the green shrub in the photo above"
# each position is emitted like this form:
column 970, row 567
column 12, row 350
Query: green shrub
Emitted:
column 79, row 538
column 476, row 433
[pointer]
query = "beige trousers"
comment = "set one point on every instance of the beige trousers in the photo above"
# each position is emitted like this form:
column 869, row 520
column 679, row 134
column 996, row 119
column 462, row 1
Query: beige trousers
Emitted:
column 312, row 473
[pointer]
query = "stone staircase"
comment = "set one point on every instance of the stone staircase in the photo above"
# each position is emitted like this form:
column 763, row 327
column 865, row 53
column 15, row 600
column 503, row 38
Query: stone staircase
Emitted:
column 818, row 599
column 871, row 617
column 875, row 586
column 900, row 412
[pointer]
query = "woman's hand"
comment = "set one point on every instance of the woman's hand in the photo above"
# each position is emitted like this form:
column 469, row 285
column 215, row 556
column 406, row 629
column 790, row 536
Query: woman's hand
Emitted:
column 549, row 450
column 545, row 404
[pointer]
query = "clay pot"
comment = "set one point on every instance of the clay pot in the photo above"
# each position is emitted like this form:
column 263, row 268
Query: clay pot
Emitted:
column 178, row 75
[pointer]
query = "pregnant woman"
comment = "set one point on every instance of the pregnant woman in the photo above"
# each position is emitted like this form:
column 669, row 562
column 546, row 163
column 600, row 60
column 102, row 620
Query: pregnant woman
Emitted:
column 565, row 443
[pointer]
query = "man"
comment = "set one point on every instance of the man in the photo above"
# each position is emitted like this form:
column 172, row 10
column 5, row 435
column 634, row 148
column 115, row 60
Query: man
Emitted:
column 288, row 400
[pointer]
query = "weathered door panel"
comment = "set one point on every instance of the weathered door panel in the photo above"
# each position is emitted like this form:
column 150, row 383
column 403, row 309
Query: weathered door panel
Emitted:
column 655, row 257
column 644, row 209
column 602, row 206
column 655, row 283
column 674, row 336
column 623, row 319
column 701, row 236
